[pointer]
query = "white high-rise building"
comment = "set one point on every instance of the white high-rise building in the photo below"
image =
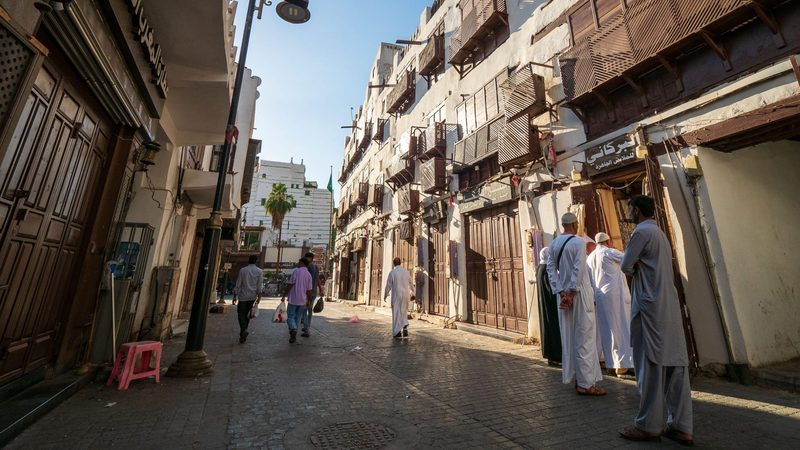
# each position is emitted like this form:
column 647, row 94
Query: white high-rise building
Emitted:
column 308, row 224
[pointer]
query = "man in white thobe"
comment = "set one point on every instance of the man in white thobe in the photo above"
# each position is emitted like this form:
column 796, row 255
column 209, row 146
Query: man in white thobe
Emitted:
column 613, row 301
column 400, row 286
column 569, row 279
column 659, row 343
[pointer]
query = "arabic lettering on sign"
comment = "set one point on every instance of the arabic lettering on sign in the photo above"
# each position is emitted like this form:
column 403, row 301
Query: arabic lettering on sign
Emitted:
column 610, row 155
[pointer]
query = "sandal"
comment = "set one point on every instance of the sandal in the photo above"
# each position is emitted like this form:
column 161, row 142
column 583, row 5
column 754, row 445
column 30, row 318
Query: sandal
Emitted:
column 679, row 436
column 635, row 434
column 591, row 390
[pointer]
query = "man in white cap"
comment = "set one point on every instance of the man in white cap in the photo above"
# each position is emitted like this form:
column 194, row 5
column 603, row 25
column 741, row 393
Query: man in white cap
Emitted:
column 613, row 301
column 569, row 278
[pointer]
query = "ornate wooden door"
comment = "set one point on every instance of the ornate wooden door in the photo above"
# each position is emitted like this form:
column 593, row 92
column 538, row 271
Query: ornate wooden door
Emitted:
column 376, row 272
column 495, row 280
column 50, row 176
column 438, row 292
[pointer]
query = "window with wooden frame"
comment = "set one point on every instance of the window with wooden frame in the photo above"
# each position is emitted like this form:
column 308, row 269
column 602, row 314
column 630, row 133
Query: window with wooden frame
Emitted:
column 482, row 106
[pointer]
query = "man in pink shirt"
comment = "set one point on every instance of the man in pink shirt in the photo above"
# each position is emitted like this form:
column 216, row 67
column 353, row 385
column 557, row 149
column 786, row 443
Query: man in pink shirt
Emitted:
column 298, row 289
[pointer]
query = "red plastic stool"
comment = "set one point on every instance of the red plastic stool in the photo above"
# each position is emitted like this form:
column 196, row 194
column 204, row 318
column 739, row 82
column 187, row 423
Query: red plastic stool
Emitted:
column 124, row 370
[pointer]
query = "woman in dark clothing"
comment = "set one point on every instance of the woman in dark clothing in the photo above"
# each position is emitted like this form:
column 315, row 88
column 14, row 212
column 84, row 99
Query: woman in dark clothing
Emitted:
column 548, row 312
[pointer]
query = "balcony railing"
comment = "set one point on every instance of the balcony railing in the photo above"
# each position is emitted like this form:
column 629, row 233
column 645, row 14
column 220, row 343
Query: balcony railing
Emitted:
column 433, row 175
column 644, row 35
column 476, row 25
column 378, row 135
column 407, row 199
column 479, row 145
column 432, row 56
column 519, row 142
column 402, row 95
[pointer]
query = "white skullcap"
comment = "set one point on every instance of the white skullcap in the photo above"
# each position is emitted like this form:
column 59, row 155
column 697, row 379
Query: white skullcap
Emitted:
column 601, row 237
column 588, row 240
column 569, row 218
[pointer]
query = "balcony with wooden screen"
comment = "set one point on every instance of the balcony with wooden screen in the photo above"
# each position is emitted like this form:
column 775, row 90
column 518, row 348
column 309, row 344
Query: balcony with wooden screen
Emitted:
column 403, row 93
column 400, row 172
column 433, row 141
column 366, row 138
column 433, row 175
column 479, row 19
column 524, row 93
column 482, row 144
column 375, row 196
column 432, row 56
column 693, row 42
column 407, row 199
column 360, row 194
column 519, row 142
column 379, row 135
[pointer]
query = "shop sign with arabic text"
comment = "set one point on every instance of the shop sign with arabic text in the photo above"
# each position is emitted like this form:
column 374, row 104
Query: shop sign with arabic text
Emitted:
column 618, row 152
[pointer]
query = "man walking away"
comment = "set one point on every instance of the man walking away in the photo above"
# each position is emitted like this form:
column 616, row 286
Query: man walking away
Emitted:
column 659, row 345
column 298, row 289
column 248, row 291
column 569, row 278
column 314, row 271
column 613, row 301
column 548, row 312
column 399, row 285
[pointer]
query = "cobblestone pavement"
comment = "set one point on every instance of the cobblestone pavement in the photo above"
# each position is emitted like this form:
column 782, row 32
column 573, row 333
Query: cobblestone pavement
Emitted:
column 439, row 389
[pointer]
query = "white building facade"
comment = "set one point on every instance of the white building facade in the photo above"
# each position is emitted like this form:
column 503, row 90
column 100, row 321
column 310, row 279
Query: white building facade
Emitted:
column 512, row 112
column 308, row 224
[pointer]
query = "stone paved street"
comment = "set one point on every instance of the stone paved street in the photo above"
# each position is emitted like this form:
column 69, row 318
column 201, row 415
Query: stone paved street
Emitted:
column 440, row 389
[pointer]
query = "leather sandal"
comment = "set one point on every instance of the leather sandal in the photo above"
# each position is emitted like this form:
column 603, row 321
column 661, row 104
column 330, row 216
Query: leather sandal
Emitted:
column 592, row 390
column 635, row 434
column 678, row 436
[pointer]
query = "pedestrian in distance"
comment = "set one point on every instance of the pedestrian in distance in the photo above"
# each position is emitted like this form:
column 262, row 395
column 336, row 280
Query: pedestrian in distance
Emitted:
column 248, row 293
column 399, row 286
column 659, row 345
column 314, row 271
column 548, row 312
column 613, row 301
column 298, row 288
column 569, row 278
column 419, row 288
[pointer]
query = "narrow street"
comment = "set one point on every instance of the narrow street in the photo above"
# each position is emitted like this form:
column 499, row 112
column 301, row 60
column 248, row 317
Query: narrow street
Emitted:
column 439, row 389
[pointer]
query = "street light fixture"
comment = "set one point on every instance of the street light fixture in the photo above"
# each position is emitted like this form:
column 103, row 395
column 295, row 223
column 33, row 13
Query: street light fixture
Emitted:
column 294, row 11
column 194, row 362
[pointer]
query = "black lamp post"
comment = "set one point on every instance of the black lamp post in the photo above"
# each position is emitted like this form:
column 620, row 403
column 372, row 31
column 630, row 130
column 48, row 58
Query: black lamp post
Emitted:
column 194, row 362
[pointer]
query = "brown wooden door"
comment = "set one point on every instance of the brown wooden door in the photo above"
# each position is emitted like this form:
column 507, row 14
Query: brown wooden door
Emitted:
column 405, row 250
column 362, row 276
column 344, row 277
column 50, row 177
column 376, row 273
column 438, row 292
column 495, row 280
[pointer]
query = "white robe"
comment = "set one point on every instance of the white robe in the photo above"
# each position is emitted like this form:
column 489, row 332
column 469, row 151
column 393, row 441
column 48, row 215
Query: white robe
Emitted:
column 578, row 332
column 400, row 286
column 613, row 301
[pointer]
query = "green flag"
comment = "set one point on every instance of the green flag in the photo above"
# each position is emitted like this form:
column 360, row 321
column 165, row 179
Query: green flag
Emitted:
column 330, row 184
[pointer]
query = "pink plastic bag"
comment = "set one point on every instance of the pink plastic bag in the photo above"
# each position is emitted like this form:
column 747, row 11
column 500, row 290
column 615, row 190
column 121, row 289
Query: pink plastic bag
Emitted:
column 354, row 319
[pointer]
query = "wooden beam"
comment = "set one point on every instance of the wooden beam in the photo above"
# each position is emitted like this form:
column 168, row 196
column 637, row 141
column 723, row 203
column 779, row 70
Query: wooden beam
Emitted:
column 795, row 67
column 638, row 88
column 673, row 69
column 607, row 104
column 718, row 48
column 768, row 19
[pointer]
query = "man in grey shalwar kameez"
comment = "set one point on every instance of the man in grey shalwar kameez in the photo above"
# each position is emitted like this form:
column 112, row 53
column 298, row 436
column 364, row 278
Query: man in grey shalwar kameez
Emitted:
column 659, row 345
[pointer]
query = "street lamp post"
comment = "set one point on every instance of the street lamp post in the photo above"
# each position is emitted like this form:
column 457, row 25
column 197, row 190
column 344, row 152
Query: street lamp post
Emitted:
column 194, row 362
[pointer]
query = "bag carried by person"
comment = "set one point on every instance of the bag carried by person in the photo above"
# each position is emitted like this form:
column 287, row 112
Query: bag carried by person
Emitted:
column 280, row 312
column 319, row 305
column 253, row 313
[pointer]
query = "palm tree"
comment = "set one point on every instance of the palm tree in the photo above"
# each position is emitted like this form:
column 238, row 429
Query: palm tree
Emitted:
column 278, row 204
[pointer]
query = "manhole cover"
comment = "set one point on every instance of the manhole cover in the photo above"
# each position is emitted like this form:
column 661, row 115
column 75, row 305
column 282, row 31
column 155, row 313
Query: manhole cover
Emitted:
column 353, row 435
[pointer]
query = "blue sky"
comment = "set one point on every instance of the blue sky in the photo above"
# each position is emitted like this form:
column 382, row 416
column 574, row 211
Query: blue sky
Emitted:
column 313, row 73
